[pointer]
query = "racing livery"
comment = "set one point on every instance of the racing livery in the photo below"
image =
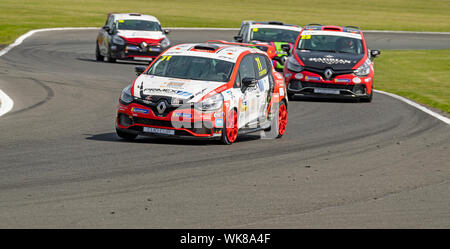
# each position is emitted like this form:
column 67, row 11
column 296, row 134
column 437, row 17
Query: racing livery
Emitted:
column 273, row 33
column 331, row 61
column 209, row 90
column 131, row 37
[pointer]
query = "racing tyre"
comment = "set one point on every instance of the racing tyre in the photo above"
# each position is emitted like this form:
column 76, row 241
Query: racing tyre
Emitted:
column 282, row 119
column 109, row 58
column 368, row 98
column 125, row 135
column 98, row 56
column 230, row 131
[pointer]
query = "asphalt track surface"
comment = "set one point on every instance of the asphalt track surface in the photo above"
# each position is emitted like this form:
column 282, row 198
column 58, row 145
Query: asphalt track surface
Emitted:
column 340, row 164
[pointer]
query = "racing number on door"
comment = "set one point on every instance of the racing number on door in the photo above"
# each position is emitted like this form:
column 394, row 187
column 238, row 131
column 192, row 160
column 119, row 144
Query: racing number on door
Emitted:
column 261, row 70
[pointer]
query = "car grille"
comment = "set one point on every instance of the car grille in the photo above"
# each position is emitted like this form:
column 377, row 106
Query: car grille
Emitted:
column 298, row 85
column 335, row 72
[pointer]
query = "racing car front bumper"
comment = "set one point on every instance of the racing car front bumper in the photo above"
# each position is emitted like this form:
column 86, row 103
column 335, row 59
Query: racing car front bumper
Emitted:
column 135, row 52
column 179, row 123
column 342, row 86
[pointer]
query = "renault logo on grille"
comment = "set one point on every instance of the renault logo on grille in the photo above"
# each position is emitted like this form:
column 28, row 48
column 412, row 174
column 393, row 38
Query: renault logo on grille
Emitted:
column 161, row 107
column 328, row 73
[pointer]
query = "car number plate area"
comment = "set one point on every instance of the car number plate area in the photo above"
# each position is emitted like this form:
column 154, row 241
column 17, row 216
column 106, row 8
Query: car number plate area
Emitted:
column 159, row 131
column 142, row 59
column 326, row 91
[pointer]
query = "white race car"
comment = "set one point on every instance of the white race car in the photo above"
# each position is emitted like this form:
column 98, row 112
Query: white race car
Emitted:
column 131, row 37
column 210, row 90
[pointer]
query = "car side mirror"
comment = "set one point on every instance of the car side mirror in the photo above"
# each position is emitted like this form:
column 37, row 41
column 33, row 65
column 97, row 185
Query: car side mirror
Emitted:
column 106, row 28
column 139, row 70
column 286, row 48
column 166, row 31
column 375, row 53
column 248, row 82
column 238, row 38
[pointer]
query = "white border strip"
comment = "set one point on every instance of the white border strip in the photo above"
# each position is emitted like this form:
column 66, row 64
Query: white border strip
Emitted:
column 6, row 103
column 414, row 104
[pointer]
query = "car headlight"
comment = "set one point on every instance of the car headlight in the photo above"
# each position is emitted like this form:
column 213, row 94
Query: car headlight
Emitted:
column 212, row 103
column 293, row 65
column 126, row 96
column 363, row 70
column 118, row 40
column 165, row 42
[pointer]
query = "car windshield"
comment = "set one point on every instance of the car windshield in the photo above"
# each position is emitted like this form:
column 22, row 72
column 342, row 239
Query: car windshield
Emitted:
column 138, row 25
column 192, row 67
column 331, row 43
column 274, row 35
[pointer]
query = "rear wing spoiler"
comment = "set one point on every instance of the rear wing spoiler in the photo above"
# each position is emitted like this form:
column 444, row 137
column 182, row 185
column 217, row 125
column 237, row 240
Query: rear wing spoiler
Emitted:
column 269, row 50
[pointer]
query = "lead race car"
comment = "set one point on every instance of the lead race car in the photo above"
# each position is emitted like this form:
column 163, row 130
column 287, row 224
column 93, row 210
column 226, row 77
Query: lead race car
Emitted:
column 330, row 61
column 209, row 90
column 131, row 37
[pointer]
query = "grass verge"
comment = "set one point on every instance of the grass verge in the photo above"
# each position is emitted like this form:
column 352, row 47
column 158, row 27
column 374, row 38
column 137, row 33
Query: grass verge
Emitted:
column 18, row 17
column 420, row 75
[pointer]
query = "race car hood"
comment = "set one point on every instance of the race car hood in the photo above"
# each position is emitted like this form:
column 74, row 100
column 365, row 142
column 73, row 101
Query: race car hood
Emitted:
column 184, row 89
column 140, row 36
column 322, row 60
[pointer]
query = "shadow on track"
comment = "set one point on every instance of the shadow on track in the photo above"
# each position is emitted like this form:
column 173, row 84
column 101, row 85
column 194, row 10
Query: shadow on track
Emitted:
column 112, row 137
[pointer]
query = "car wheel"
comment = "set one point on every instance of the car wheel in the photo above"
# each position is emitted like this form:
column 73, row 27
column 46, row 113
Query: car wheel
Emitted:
column 368, row 98
column 98, row 56
column 125, row 135
column 230, row 131
column 282, row 119
column 109, row 58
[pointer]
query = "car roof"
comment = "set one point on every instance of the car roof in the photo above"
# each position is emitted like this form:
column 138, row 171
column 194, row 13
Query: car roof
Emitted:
column 345, row 29
column 273, row 24
column 134, row 16
column 211, row 50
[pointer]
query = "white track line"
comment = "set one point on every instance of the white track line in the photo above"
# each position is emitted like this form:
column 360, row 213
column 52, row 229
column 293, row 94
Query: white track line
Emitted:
column 7, row 103
column 420, row 107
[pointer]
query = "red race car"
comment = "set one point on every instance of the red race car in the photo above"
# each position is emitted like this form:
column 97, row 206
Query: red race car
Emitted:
column 213, row 90
column 330, row 61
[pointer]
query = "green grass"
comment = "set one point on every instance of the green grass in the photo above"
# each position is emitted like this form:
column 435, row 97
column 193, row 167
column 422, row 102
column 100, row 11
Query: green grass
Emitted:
column 420, row 75
column 19, row 16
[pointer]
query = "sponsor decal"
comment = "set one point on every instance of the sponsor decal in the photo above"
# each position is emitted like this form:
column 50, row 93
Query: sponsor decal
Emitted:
column 183, row 93
column 244, row 106
column 330, row 60
column 255, row 29
column 219, row 122
column 281, row 91
column 183, row 115
column 342, row 80
column 368, row 80
column 299, row 76
column 356, row 80
column 172, row 84
column 305, row 37
column 139, row 110
column 218, row 114
column 307, row 78
column 154, row 49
